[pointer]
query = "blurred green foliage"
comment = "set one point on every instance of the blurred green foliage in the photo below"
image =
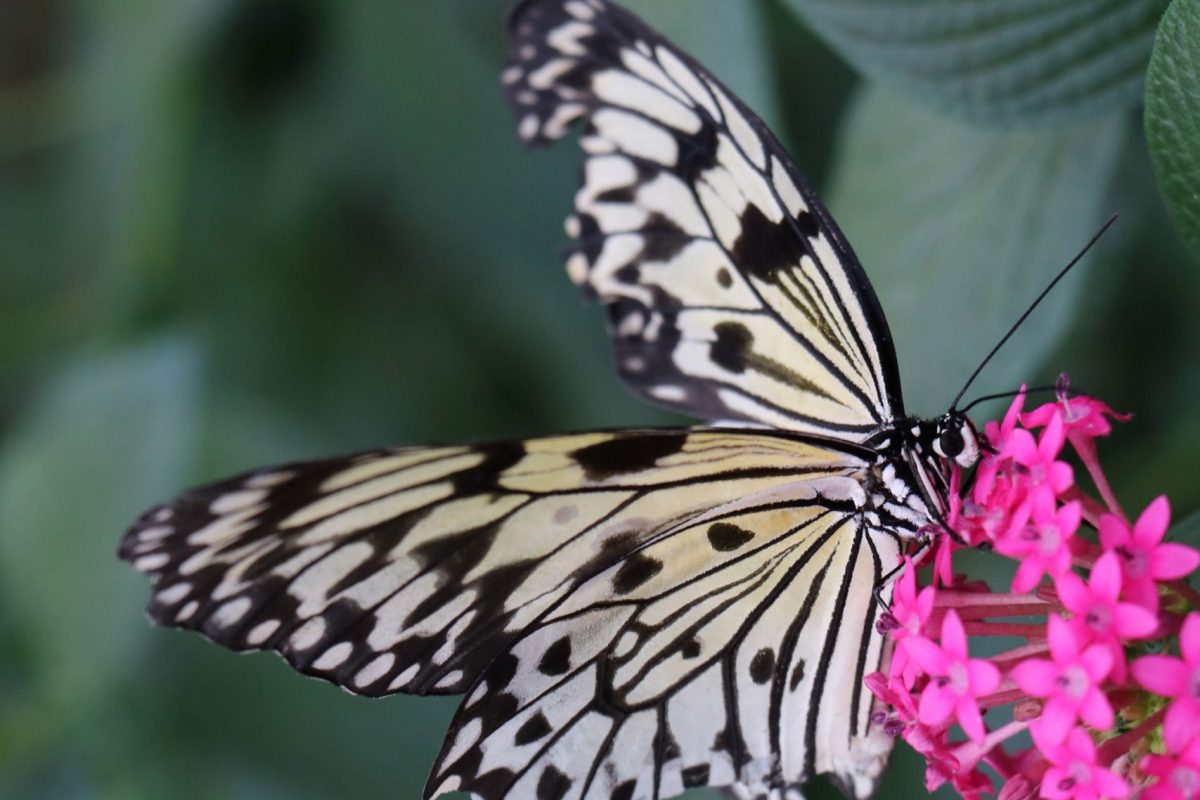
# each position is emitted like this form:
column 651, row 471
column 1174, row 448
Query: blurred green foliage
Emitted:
column 246, row 231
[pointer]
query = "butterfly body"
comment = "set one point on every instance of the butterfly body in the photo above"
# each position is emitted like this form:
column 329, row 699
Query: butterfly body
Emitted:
column 628, row 613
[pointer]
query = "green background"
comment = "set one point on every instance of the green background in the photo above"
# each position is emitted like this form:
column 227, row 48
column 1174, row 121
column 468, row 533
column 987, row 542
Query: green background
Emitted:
column 234, row 232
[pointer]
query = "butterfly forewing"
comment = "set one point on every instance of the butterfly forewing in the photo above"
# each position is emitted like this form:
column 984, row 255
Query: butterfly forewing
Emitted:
column 411, row 569
column 732, row 294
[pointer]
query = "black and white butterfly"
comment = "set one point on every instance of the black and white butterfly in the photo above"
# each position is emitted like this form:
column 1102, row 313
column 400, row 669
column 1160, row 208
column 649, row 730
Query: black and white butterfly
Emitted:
column 628, row 613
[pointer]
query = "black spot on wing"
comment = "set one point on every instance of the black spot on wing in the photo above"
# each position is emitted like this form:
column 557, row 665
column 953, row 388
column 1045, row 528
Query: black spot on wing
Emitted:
column 536, row 727
column 553, row 784
column 662, row 239
column 808, row 225
column 557, row 658
column 624, row 790
column 725, row 536
column 724, row 278
column 695, row 775
column 630, row 273
column 591, row 238
column 618, row 194
column 732, row 346
column 765, row 247
column 697, row 151
column 797, row 675
column 625, row 454
column 690, row 648
column 762, row 666
column 495, row 783
column 636, row 570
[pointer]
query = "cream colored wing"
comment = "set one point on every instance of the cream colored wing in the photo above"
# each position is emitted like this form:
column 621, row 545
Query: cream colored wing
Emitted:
column 729, row 652
column 412, row 569
column 732, row 293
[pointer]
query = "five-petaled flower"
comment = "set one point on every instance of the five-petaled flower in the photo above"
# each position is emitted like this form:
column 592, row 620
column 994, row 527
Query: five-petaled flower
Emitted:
column 1099, row 616
column 1145, row 558
column 1178, row 776
column 1075, row 774
column 958, row 681
column 1072, row 682
column 1177, row 678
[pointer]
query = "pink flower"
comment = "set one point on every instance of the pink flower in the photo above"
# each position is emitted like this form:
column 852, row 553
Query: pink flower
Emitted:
column 1178, row 778
column 1144, row 558
column 1099, row 617
column 1040, row 539
column 1040, row 457
column 957, row 681
column 997, row 435
column 1075, row 773
column 910, row 611
column 1083, row 415
column 1178, row 679
column 1071, row 682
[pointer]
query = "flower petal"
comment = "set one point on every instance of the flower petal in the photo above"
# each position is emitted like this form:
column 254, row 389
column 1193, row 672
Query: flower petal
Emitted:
column 1053, row 782
column 1035, row 676
column 1172, row 561
column 983, row 676
column 1028, row 573
column 1073, row 592
column 1113, row 532
column 1162, row 675
column 1097, row 661
column 937, row 704
column 1182, row 724
column 970, row 719
column 1063, row 646
column 1105, row 582
column 927, row 654
column 1109, row 785
column 954, row 636
column 1131, row 621
column 1189, row 640
column 1152, row 523
column 1095, row 709
column 1058, row 717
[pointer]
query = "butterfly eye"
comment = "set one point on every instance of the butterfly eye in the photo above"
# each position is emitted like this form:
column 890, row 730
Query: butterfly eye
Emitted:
column 950, row 443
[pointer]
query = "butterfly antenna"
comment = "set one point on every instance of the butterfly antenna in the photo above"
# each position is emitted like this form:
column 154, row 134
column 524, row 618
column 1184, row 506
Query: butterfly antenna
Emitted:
column 1000, row 395
column 1062, row 274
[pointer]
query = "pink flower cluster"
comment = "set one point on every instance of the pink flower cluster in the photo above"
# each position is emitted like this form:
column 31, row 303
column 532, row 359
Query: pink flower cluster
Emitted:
column 1075, row 653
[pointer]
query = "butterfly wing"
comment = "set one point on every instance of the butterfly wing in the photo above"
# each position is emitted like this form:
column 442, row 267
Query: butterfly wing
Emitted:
column 729, row 652
column 732, row 294
column 413, row 569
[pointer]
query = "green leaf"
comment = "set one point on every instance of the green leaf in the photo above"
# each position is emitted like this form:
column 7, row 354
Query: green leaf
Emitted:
column 110, row 434
column 1173, row 115
column 998, row 60
column 960, row 228
column 1186, row 530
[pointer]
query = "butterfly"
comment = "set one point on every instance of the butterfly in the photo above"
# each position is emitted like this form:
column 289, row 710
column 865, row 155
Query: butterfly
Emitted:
column 628, row 613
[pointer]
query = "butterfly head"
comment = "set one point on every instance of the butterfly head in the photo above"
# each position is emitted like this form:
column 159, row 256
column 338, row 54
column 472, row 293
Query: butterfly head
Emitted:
column 955, row 439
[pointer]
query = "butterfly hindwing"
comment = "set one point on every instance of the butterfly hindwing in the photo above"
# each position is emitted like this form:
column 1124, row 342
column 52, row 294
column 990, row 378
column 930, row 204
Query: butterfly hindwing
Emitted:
column 730, row 650
column 412, row 569
column 732, row 294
